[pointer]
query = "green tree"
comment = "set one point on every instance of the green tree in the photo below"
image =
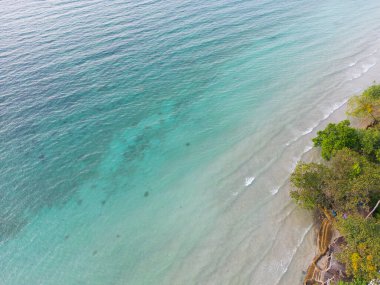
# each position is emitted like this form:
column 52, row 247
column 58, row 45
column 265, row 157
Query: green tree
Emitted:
column 372, row 91
column 336, row 137
column 354, row 282
column 361, row 255
column 370, row 143
column 309, row 182
column 351, row 180
column 366, row 105
column 346, row 185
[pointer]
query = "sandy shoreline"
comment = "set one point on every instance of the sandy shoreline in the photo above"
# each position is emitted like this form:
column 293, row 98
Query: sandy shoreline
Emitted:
column 310, row 248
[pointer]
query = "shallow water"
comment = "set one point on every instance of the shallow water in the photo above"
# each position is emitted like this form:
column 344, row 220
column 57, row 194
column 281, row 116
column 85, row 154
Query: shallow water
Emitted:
column 150, row 142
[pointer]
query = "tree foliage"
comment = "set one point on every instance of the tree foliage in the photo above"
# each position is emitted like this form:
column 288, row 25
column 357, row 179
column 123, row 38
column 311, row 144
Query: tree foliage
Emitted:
column 354, row 282
column 370, row 143
column 353, row 181
column 345, row 185
column 362, row 252
column 336, row 137
column 309, row 180
column 366, row 105
column 372, row 92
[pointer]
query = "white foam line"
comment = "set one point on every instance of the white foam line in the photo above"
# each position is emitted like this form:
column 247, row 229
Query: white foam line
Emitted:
column 367, row 67
column 304, row 133
column 364, row 69
column 353, row 63
column 307, row 148
column 335, row 107
column 282, row 264
column 275, row 190
column 249, row 180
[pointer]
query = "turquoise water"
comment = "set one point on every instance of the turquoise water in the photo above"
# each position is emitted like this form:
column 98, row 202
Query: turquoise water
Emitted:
column 150, row 142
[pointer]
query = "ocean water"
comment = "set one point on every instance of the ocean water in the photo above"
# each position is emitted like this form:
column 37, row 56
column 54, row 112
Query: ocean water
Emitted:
column 150, row 142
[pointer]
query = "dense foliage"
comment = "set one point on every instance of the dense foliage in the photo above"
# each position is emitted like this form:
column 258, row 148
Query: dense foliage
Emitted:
column 347, row 184
column 372, row 92
column 370, row 143
column 367, row 105
column 361, row 255
column 309, row 180
column 336, row 137
column 339, row 136
column 354, row 282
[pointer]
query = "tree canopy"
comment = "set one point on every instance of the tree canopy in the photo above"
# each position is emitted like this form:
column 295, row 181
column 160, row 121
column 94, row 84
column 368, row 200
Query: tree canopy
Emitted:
column 370, row 143
column 345, row 185
column 309, row 180
column 372, row 91
column 348, row 184
column 361, row 254
column 336, row 137
column 366, row 105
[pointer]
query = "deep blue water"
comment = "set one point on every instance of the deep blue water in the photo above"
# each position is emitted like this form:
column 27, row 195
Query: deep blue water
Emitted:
column 134, row 134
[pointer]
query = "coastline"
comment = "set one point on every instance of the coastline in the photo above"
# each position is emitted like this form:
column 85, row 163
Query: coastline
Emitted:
column 314, row 252
column 351, row 143
column 314, row 155
column 162, row 156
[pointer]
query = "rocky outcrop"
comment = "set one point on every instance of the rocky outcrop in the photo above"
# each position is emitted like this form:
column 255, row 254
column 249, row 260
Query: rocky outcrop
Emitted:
column 325, row 268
